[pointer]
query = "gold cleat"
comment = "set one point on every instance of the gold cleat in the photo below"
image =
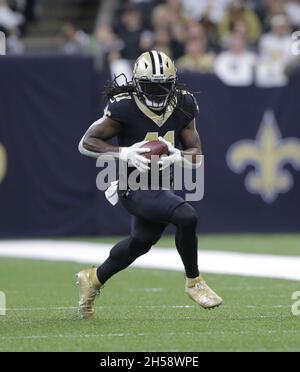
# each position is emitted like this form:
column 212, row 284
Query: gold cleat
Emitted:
column 199, row 291
column 89, row 288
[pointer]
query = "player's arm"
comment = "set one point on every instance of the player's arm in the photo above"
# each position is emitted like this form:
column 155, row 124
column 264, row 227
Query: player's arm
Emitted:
column 94, row 144
column 191, row 144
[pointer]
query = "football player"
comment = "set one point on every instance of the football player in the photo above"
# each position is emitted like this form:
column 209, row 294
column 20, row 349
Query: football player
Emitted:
column 152, row 106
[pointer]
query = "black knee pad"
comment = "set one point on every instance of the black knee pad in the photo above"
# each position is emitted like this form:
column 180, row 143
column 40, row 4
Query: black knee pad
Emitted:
column 185, row 216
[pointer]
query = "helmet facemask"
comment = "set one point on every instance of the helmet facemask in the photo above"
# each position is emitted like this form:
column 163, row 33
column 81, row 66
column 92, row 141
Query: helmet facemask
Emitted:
column 156, row 94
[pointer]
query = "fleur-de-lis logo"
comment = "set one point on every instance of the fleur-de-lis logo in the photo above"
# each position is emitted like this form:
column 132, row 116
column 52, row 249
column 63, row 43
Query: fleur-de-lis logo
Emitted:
column 268, row 154
column 3, row 162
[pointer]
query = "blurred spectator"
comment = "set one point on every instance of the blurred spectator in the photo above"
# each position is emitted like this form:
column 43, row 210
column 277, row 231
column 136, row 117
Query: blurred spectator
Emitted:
column 178, row 21
column 108, row 41
column 146, row 41
column 195, row 30
column 186, row 30
column 14, row 44
column 238, row 13
column 275, row 52
column 292, row 9
column 120, row 67
column 9, row 20
column 145, row 7
column 75, row 41
column 235, row 67
column 130, row 30
column 195, row 58
column 169, row 17
column 108, row 46
column 271, row 8
column 214, row 10
column 241, row 27
column 210, row 13
column 276, row 44
column 26, row 7
column 162, row 41
column 161, row 17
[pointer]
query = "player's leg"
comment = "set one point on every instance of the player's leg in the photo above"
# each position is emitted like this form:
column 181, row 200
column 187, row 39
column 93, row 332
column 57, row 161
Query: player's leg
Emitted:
column 185, row 219
column 143, row 236
column 166, row 207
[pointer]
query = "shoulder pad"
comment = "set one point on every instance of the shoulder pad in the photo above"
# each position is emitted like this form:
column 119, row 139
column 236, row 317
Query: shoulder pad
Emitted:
column 193, row 98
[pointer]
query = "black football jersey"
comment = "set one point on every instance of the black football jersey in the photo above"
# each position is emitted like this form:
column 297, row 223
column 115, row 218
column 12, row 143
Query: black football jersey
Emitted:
column 139, row 123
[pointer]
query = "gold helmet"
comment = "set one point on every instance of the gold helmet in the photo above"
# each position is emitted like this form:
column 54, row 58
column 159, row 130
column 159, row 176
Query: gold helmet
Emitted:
column 154, row 78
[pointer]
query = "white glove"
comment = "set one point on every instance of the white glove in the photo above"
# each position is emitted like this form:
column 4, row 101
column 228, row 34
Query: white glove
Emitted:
column 173, row 157
column 132, row 156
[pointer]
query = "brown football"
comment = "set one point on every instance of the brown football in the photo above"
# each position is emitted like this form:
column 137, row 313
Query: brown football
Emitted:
column 157, row 148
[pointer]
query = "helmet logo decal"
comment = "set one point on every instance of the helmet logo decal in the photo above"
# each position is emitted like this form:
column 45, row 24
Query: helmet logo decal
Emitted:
column 157, row 63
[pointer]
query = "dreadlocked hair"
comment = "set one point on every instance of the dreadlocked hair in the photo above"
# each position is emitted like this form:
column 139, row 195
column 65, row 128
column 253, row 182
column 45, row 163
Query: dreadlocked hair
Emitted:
column 113, row 88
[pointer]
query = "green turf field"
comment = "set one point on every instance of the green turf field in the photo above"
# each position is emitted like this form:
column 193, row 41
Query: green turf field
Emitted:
column 147, row 310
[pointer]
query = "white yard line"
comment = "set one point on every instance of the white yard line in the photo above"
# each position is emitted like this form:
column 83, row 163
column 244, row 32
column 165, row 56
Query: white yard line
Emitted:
column 31, row 309
column 69, row 308
column 170, row 334
column 217, row 262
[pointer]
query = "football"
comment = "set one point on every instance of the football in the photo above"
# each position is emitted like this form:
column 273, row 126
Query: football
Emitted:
column 157, row 148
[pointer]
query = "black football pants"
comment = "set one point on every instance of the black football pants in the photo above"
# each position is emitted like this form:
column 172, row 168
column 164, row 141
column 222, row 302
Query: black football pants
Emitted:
column 152, row 211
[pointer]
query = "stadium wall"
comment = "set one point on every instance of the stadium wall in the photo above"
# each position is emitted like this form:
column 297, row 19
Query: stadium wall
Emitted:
column 251, row 141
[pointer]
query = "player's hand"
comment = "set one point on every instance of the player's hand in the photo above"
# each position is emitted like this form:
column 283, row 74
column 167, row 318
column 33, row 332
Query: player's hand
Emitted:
column 132, row 155
column 173, row 157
